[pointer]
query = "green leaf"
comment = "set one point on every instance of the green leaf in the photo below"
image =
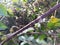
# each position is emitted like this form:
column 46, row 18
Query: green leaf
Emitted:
column 36, row 9
column 25, row 0
column 3, row 11
column 50, row 25
column 2, row 26
column 53, row 3
column 57, row 24
column 15, row 1
column 42, row 36
column 10, row 12
column 43, row 27
column 35, row 36
column 24, row 43
column 10, row 42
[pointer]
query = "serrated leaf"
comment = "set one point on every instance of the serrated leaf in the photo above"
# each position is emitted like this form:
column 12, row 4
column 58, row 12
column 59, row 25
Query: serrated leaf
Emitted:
column 2, row 26
column 3, row 11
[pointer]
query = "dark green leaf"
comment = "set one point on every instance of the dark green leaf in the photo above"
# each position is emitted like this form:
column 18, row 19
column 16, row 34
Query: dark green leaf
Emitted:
column 35, row 36
column 10, row 42
column 26, row 44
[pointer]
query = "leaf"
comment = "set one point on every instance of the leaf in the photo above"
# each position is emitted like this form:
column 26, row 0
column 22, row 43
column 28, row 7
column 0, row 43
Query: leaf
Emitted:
column 15, row 1
column 42, row 36
column 10, row 42
column 53, row 3
column 50, row 25
column 25, row 0
column 36, row 9
column 2, row 26
column 38, row 25
column 30, row 38
column 41, row 42
column 24, row 43
column 35, row 36
column 22, row 38
column 43, row 27
column 3, row 11
column 10, row 12
column 57, row 24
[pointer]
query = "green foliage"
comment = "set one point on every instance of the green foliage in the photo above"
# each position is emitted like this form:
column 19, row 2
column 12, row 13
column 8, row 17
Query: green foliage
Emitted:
column 2, row 26
column 26, row 44
column 42, row 36
column 53, row 3
column 57, row 24
column 15, row 1
column 11, row 42
column 10, row 12
column 50, row 25
column 25, row 0
column 35, row 36
column 3, row 10
column 26, row 11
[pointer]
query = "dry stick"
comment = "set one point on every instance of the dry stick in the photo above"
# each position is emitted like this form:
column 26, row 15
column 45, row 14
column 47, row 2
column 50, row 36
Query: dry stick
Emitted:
column 31, row 23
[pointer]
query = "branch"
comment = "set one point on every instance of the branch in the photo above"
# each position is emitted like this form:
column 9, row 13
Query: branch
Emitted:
column 9, row 36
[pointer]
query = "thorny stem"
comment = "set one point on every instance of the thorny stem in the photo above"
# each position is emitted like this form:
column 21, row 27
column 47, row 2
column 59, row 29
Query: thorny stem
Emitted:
column 31, row 23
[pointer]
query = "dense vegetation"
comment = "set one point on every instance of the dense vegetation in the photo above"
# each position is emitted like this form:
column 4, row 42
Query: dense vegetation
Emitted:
column 30, row 22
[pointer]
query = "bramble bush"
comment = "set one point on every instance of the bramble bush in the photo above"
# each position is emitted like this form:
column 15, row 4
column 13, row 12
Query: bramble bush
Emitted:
column 30, row 22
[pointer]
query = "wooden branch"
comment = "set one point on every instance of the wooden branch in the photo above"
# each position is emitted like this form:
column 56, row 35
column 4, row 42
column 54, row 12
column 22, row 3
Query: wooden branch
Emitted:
column 9, row 36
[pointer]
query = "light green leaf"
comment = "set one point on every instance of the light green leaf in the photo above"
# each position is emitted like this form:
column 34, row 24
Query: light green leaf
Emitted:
column 2, row 26
column 15, row 1
column 10, row 11
column 3, row 11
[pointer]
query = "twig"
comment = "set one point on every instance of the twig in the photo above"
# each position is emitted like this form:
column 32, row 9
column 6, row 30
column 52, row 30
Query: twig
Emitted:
column 2, row 18
column 31, row 23
column 56, row 10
